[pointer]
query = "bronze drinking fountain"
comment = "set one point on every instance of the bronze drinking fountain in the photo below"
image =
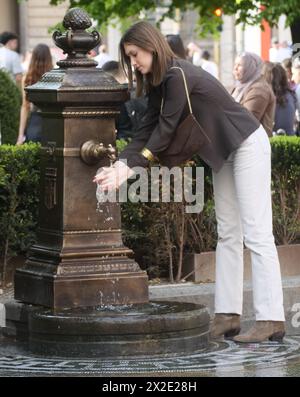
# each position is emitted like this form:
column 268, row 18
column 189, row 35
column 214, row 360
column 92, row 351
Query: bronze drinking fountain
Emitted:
column 80, row 292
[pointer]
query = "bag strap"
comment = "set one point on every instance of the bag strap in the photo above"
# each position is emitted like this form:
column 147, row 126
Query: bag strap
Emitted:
column 186, row 91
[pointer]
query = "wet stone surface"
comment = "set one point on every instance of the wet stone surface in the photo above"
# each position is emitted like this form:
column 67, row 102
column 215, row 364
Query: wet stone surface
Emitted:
column 219, row 359
column 137, row 309
column 114, row 331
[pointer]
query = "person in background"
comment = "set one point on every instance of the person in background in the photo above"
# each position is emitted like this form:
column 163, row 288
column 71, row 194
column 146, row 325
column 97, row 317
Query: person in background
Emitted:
column 26, row 61
column 57, row 55
column 296, row 79
column 210, row 66
column 114, row 69
column 267, row 71
column 132, row 111
column 9, row 59
column 279, row 51
column 195, row 54
column 285, row 52
column 286, row 101
column 103, row 56
column 252, row 90
column 30, row 128
column 274, row 50
column 287, row 66
column 176, row 44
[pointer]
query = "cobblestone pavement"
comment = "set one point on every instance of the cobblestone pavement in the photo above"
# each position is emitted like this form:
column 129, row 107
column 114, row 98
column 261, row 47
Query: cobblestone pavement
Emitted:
column 220, row 359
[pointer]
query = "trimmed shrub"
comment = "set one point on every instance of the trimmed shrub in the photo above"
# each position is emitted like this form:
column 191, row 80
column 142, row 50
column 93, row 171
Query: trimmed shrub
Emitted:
column 161, row 233
column 10, row 103
column 19, row 197
column 286, row 188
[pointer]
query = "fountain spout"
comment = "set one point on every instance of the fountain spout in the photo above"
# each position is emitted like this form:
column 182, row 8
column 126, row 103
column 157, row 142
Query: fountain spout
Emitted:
column 91, row 152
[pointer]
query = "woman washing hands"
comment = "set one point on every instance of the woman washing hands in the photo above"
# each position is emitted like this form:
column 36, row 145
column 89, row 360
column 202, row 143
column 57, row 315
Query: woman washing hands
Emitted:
column 111, row 178
column 237, row 149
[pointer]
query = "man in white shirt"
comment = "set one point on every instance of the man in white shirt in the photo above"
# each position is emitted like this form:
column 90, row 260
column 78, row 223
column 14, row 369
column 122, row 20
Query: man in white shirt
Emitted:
column 9, row 58
column 103, row 56
column 194, row 53
column 274, row 50
column 210, row 66
column 279, row 52
column 285, row 52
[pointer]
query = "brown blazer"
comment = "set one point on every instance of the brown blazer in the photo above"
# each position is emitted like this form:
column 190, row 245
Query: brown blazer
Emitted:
column 260, row 100
column 225, row 121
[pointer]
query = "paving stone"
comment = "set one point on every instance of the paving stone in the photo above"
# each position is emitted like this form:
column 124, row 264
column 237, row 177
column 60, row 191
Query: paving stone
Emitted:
column 219, row 359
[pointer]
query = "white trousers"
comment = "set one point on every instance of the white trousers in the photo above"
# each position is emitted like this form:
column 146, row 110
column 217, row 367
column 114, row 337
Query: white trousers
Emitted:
column 242, row 191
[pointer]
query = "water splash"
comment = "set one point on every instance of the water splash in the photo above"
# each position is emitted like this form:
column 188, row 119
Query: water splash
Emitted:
column 103, row 204
column 98, row 208
column 101, row 196
column 104, row 199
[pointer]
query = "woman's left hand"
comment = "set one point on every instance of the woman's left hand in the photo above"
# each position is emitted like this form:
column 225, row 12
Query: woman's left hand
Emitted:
column 112, row 177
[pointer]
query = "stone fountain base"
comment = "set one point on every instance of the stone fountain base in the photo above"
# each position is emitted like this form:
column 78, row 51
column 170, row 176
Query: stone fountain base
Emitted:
column 113, row 331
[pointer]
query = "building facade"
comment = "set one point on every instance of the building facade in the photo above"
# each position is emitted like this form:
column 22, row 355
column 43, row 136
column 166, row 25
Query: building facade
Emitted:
column 9, row 15
column 31, row 20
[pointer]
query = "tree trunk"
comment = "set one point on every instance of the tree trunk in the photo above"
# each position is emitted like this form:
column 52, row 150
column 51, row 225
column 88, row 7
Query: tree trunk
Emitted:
column 5, row 259
column 169, row 245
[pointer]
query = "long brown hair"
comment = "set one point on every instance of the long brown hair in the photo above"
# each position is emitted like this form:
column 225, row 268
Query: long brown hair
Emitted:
column 267, row 71
column 41, row 62
column 176, row 44
column 280, row 84
column 147, row 37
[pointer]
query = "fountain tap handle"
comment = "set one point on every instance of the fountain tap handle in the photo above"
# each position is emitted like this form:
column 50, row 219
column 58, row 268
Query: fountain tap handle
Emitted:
column 111, row 152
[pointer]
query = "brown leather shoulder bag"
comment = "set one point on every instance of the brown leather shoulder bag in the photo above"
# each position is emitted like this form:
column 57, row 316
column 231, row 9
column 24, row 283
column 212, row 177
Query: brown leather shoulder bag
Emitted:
column 189, row 137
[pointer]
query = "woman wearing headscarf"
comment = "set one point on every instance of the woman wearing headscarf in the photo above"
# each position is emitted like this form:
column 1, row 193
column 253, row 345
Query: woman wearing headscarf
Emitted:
column 252, row 90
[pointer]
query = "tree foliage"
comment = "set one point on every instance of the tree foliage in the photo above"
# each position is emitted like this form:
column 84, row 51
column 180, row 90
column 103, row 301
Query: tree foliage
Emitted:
column 247, row 11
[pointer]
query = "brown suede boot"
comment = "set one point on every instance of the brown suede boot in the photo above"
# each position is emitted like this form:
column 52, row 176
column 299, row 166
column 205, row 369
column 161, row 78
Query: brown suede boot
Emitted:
column 262, row 331
column 225, row 324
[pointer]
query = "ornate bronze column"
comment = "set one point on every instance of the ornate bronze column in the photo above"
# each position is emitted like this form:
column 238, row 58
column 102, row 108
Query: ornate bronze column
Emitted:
column 79, row 258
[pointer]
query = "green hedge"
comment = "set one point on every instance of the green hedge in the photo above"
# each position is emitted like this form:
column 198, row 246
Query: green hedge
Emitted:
column 145, row 224
column 10, row 103
column 19, row 186
column 286, row 188
column 158, row 233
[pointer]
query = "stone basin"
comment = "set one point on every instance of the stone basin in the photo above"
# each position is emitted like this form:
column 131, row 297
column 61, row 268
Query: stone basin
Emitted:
column 128, row 330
